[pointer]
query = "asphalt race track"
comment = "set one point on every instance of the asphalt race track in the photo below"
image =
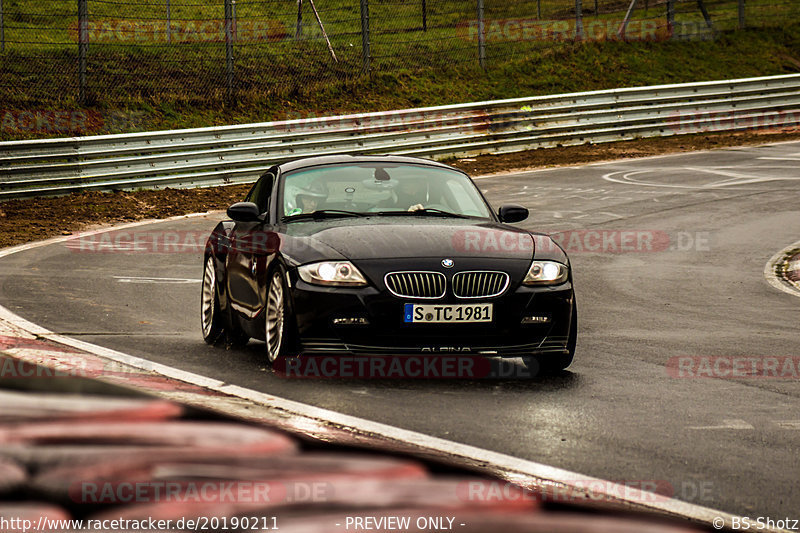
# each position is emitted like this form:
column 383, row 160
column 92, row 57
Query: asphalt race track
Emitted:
column 668, row 253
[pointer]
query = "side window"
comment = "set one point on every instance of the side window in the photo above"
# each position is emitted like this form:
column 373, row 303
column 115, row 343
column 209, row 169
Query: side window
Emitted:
column 260, row 192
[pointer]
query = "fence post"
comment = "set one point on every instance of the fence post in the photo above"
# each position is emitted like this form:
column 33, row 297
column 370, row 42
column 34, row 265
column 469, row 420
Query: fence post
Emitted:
column 298, row 32
column 424, row 15
column 229, row 47
column 83, row 47
column 670, row 15
column 481, row 36
column 365, row 55
column 169, row 22
column 578, row 20
column 2, row 29
column 234, row 22
column 741, row 14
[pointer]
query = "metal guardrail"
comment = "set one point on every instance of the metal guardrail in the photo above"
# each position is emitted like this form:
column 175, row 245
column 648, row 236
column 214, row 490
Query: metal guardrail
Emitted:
column 238, row 154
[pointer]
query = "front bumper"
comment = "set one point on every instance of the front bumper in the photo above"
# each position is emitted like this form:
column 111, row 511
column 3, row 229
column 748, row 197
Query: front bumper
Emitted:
column 316, row 309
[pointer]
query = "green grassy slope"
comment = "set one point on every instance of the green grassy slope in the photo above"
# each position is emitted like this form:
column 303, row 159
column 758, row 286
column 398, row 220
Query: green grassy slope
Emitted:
column 147, row 86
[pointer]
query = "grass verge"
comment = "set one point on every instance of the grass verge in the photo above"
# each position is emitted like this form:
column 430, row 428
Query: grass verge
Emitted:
column 133, row 99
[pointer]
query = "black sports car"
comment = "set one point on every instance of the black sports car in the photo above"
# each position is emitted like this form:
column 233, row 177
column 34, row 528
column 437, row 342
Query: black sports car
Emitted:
column 385, row 255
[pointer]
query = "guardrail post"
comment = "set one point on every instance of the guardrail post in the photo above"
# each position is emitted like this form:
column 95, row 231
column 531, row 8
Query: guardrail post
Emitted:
column 481, row 36
column 741, row 15
column 83, row 47
column 365, row 55
column 578, row 20
column 229, row 47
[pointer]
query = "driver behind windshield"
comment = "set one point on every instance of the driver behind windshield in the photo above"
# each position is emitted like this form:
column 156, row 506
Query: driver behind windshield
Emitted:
column 310, row 198
column 411, row 194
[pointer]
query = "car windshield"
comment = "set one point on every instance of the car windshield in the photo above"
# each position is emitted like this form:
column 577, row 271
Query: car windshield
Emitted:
column 380, row 189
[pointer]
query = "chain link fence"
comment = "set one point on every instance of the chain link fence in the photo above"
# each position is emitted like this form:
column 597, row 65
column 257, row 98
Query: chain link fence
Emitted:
column 136, row 52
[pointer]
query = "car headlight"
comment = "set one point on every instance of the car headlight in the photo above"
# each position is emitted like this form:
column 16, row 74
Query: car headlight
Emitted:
column 332, row 273
column 546, row 273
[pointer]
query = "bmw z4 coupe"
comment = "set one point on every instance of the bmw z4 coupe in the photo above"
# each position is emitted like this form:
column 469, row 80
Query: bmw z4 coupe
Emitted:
column 385, row 255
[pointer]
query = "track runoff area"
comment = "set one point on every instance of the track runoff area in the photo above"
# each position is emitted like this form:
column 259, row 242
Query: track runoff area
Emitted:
column 685, row 378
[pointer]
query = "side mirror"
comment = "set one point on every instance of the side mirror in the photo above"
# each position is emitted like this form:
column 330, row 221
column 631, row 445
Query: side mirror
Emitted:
column 244, row 212
column 512, row 213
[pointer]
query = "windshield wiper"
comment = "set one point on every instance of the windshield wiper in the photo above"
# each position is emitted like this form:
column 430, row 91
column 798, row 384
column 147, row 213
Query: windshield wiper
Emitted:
column 323, row 213
column 425, row 211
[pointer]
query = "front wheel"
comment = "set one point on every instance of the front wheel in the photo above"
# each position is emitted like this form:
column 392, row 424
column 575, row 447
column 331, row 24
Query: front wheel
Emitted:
column 277, row 317
column 211, row 317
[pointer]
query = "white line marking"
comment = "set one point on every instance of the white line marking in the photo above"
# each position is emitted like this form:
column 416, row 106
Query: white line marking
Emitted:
column 734, row 178
column 135, row 279
column 506, row 466
column 625, row 179
column 728, row 423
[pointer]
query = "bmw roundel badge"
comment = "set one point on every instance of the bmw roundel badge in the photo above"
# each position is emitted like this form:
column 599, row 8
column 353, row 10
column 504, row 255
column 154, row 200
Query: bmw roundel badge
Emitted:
column 447, row 263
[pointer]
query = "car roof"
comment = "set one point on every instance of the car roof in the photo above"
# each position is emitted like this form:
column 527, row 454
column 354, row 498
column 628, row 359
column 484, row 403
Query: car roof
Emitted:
column 350, row 159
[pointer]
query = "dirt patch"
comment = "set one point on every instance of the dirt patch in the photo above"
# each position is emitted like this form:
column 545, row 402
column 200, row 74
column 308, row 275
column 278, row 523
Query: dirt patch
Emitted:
column 39, row 218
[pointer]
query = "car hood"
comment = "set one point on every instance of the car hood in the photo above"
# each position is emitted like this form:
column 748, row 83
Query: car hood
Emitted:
column 423, row 237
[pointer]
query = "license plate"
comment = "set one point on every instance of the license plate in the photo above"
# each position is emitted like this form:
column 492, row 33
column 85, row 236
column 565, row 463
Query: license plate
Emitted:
column 447, row 314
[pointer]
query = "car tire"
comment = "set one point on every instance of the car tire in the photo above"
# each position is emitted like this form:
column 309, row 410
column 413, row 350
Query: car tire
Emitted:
column 277, row 318
column 554, row 363
column 212, row 321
